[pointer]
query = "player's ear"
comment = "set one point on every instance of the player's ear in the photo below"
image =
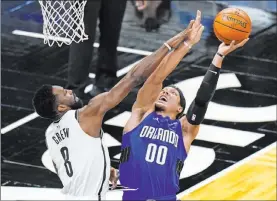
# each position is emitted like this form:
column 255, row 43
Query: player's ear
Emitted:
column 63, row 108
column 180, row 109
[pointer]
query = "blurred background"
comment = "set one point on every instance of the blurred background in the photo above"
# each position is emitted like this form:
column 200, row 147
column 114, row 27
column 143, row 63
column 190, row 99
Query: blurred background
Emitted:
column 240, row 122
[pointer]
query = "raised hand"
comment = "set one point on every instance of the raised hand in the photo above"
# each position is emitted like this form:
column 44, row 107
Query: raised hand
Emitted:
column 226, row 49
column 197, row 28
column 177, row 39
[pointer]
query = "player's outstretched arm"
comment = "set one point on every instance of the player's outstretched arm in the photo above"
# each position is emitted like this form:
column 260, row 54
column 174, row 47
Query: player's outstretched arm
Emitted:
column 100, row 104
column 153, row 85
column 198, row 107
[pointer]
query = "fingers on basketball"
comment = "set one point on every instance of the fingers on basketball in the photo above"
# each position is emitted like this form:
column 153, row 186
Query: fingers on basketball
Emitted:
column 242, row 43
column 232, row 44
column 222, row 44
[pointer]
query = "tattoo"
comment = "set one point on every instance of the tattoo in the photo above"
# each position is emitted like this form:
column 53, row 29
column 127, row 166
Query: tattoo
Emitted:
column 138, row 79
column 139, row 74
column 143, row 70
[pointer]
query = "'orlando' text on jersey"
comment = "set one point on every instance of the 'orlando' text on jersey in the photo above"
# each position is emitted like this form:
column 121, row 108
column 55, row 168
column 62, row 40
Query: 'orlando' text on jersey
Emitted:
column 152, row 157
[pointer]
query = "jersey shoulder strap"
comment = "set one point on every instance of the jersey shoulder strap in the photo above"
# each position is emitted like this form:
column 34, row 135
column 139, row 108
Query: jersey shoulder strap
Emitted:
column 101, row 133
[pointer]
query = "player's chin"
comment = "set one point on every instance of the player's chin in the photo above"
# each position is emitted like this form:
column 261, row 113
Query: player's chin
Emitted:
column 77, row 104
column 160, row 104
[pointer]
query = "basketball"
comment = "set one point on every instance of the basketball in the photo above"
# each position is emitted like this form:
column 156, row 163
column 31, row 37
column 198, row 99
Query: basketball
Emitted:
column 232, row 24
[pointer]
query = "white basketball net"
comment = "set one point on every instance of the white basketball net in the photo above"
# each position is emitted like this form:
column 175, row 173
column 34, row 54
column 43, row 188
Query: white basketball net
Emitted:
column 63, row 21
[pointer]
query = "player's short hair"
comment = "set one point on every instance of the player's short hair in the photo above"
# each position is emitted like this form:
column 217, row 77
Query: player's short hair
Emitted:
column 44, row 102
column 182, row 101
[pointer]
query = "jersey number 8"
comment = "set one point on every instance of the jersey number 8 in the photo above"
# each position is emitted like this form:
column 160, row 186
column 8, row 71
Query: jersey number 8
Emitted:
column 67, row 163
column 151, row 153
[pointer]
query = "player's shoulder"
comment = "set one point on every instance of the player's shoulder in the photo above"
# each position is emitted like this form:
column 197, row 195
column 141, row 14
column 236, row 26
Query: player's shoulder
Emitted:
column 183, row 120
column 150, row 113
column 50, row 129
column 184, row 123
column 70, row 115
column 148, row 116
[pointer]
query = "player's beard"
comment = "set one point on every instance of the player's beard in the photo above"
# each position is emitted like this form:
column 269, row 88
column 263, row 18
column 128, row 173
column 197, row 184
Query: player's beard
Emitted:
column 78, row 103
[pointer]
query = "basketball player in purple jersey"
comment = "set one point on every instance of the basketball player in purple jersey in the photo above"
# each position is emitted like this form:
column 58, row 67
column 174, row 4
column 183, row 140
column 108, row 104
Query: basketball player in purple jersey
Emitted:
column 157, row 137
column 75, row 137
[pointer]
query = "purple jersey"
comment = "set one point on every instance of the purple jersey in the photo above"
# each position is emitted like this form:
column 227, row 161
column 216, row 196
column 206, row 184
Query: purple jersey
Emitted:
column 152, row 157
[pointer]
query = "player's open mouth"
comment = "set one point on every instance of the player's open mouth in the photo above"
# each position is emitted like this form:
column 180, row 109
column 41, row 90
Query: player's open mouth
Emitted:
column 163, row 98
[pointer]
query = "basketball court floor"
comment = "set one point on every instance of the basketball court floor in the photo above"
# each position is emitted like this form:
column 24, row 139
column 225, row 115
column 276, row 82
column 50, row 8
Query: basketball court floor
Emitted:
column 234, row 155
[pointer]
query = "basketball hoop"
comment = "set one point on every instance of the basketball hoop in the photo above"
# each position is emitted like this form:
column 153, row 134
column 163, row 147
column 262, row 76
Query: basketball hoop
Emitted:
column 63, row 21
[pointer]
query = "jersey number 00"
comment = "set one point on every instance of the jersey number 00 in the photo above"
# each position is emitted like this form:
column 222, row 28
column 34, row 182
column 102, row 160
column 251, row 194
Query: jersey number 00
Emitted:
column 161, row 151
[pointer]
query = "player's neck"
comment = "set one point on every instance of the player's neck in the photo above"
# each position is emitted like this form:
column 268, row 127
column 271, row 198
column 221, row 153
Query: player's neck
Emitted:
column 58, row 117
column 166, row 114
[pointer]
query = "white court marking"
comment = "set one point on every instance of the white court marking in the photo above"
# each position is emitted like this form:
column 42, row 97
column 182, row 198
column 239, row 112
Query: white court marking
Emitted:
column 19, row 122
column 23, row 164
column 41, row 36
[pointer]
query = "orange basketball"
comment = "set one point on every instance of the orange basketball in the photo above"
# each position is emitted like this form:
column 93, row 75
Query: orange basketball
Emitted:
column 232, row 24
